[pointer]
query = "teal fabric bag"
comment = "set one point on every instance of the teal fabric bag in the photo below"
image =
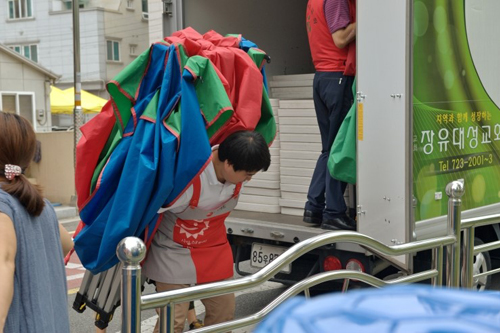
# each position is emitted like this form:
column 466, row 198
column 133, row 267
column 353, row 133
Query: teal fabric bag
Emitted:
column 342, row 159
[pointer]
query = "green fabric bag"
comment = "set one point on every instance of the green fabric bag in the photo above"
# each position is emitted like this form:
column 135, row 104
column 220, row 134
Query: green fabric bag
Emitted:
column 342, row 159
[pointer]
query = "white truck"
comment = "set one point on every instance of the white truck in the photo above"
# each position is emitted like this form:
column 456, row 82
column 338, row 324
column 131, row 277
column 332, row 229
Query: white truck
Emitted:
column 428, row 97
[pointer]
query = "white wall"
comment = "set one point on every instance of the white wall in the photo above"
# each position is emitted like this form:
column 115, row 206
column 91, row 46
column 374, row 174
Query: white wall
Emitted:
column 57, row 47
column 155, row 20
column 483, row 29
column 129, row 27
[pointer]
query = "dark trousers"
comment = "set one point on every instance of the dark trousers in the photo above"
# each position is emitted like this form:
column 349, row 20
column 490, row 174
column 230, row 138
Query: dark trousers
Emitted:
column 332, row 94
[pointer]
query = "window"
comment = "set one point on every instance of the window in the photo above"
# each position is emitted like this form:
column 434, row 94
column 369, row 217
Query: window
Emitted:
column 20, row 103
column 113, row 52
column 30, row 51
column 145, row 9
column 68, row 4
column 133, row 49
column 130, row 4
column 20, row 9
column 9, row 103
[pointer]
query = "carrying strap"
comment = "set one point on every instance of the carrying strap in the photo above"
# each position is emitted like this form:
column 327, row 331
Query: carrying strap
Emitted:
column 195, row 199
column 237, row 190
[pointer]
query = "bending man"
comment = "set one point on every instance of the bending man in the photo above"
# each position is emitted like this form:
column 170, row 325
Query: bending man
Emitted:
column 191, row 246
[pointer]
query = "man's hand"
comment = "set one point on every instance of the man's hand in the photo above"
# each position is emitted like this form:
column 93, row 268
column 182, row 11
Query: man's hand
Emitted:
column 343, row 37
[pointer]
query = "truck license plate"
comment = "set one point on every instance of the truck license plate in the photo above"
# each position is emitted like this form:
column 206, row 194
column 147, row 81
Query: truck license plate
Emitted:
column 263, row 254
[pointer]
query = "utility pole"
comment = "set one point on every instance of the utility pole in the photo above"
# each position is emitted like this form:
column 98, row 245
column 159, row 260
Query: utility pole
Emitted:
column 77, row 111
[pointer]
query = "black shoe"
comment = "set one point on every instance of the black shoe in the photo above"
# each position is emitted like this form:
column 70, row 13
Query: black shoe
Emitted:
column 339, row 223
column 312, row 217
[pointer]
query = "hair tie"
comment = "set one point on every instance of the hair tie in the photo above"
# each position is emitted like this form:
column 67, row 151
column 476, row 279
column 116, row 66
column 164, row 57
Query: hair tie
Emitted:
column 12, row 171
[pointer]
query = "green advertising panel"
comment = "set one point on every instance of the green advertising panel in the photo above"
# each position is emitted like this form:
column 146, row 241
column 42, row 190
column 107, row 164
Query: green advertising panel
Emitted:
column 456, row 125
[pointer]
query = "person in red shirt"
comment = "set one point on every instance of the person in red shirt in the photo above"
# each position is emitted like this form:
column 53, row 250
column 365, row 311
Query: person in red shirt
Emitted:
column 331, row 30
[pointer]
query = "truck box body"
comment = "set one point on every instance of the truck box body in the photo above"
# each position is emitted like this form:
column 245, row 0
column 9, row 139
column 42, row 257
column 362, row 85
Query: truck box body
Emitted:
column 428, row 98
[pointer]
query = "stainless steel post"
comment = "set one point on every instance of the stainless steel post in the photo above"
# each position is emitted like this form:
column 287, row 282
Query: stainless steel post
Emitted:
column 131, row 251
column 454, row 190
column 468, row 259
column 345, row 285
column 166, row 319
column 437, row 264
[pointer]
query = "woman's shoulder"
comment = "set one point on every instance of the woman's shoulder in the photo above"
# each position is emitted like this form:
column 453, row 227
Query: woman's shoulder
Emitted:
column 7, row 204
column 49, row 209
column 4, row 196
column 12, row 207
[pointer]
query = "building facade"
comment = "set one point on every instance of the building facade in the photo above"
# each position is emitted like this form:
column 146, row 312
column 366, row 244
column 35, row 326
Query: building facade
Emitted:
column 112, row 34
column 25, row 88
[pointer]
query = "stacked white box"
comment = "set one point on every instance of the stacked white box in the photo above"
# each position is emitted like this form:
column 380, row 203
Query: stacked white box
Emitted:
column 262, row 193
column 292, row 86
column 300, row 149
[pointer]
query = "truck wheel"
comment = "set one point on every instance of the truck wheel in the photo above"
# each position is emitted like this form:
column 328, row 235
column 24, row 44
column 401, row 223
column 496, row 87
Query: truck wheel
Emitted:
column 482, row 263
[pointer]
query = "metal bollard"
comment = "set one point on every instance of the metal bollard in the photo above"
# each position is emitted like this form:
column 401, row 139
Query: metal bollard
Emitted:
column 131, row 251
column 468, row 258
column 455, row 191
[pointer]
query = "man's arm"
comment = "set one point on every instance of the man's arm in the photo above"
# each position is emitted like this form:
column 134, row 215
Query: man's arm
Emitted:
column 343, row 37
column 8, row 249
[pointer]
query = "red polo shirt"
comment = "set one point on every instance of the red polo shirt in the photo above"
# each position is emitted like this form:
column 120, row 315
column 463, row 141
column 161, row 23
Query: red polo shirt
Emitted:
column 327, row 57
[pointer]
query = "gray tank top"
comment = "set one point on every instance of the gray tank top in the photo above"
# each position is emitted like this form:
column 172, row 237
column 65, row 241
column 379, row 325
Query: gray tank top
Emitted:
column 40, row 302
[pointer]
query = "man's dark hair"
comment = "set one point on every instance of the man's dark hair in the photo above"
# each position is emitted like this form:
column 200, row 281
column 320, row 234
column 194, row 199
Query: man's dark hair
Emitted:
column 245, row 150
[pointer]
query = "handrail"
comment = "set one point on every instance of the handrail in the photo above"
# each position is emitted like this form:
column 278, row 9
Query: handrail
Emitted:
column 216, row 288
column 480, row 221
column 309, row 283
column 129, row 255
column 468, row 227
column 486, row 247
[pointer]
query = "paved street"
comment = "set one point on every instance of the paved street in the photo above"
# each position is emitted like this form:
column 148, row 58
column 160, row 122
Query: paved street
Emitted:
column 247, row 302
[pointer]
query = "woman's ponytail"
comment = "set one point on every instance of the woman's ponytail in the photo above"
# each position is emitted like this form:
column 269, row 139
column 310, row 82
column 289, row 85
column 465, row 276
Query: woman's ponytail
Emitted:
column 28, row 194
column 17, row 147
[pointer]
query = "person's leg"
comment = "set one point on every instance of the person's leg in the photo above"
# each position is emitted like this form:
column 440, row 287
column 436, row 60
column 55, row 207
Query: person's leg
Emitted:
column 191, row 313
column 219, row 309
column 316, row 194
column 338, row 99
column 191, row 318
column 328, row 99
column 181, row 310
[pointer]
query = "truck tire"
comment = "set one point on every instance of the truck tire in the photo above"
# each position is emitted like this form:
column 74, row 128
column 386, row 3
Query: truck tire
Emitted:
column 482, row 263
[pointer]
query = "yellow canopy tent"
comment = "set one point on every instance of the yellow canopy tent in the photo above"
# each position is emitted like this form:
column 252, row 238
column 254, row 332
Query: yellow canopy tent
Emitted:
column 62, row 101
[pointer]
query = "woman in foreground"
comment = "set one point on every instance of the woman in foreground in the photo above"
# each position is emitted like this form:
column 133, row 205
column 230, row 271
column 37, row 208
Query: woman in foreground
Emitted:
column 33, row 296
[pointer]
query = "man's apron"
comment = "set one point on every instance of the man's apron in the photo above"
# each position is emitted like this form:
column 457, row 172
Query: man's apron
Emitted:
column 191, row 247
